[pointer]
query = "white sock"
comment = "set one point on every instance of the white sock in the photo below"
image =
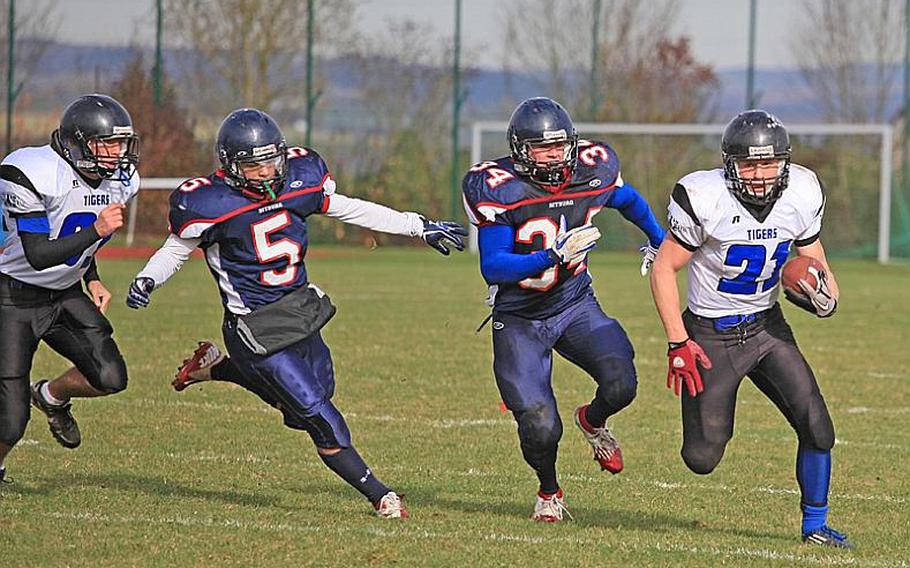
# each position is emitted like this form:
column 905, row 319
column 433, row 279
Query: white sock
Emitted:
column 46, row 393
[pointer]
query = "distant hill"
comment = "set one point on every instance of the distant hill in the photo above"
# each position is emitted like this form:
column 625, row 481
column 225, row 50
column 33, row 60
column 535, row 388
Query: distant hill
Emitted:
column 69, row 70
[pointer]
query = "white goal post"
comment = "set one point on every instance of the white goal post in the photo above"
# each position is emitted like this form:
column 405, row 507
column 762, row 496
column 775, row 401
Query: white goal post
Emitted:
column 884, row 131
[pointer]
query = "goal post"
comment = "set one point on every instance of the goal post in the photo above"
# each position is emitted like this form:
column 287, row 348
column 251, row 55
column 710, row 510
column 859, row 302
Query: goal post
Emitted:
column 810, row 148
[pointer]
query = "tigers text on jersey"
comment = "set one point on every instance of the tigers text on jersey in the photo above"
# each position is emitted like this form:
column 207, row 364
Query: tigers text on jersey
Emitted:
column 495, row 194
column 70, row 203
column 735, row 268
column 254, row 247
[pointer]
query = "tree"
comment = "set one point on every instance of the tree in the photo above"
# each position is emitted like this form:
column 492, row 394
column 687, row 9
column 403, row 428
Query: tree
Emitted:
column 250, row 52
column 168, row 147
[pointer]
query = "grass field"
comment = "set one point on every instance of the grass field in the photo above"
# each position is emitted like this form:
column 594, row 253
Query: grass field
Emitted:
column 210, row 475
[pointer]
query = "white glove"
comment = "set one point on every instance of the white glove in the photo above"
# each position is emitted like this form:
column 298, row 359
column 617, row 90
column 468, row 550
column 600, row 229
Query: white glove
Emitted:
column 648, row 254
column 572, row 245
column 820, row 296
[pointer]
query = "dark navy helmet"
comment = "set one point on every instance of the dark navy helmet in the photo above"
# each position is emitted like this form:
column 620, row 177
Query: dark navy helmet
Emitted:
column 97, row 118
column 756, row 135
column 537, row 122
column 248, row 137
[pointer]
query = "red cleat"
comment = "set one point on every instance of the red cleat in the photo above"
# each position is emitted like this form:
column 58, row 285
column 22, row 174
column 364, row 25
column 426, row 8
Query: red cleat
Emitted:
column 198, row 367
column 550, row 508
column 606, row 447
column 391, row 506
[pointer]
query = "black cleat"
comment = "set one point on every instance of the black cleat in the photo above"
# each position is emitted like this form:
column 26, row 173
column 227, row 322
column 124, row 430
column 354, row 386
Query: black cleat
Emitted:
column 3, row 478
column 826, row 536
column 61, row 422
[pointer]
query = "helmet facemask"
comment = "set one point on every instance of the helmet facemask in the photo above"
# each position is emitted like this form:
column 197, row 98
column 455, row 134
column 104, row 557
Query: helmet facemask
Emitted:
column 273, row 155
column 757, row 189
column 550, row 172
column 96, row 160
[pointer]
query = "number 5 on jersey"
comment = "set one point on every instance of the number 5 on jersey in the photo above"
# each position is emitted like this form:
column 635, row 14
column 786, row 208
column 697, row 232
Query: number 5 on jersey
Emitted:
column 269, row 251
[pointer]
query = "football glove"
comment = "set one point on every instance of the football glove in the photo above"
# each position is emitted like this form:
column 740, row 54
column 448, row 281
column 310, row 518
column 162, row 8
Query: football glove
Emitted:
column 818, row 300
column 683, row 359
column 442, row 234
column 571, row 246
column 648, row 254
column 140, row 290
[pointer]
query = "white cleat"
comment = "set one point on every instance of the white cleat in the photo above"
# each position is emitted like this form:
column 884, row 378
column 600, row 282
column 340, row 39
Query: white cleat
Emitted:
column 391, row 507
column 550, row 508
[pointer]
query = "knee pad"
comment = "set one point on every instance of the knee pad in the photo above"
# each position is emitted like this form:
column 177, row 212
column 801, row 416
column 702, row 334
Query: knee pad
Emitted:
column 14, row 409
column 819, row 433
column 539, row 428
column 617, row 383
column 111, row 376
column 702, row 459
column 326, row 427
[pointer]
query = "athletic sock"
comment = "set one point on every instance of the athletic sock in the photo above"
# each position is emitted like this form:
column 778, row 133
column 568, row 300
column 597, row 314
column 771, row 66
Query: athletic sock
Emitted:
column 349, row 466
column 596, row 413
column 813, row 473
column 48, row 397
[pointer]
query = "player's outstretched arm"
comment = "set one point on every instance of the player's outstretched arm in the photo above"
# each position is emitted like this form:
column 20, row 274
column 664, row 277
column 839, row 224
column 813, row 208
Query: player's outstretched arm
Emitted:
column 438, row 234
column 166, row 261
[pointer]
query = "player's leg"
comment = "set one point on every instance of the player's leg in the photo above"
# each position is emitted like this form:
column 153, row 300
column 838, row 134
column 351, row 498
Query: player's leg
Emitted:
column 83, row 335
column 523, row 365
column 300, row 382
column 785, row 377
column 598, row 344
column 708, row 418
column 18, row 342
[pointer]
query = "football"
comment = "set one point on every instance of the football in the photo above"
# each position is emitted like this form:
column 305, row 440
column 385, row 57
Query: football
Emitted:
column 801, row 268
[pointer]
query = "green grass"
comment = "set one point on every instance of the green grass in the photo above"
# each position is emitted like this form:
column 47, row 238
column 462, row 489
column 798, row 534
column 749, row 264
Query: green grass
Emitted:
column 210, row 475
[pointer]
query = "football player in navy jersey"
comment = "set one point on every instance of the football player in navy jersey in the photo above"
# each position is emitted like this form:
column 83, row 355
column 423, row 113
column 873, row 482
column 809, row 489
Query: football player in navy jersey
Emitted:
column 250, row 218
column 732, row 227
column 63, row 201
column 534, row 210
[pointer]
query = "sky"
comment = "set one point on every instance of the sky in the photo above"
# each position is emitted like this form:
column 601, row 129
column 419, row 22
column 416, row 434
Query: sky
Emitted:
column 718, row 28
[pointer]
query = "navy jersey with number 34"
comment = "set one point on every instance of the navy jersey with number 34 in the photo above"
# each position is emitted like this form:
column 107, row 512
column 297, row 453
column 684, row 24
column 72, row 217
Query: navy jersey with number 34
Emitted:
column 254, row 247
column 495, row 194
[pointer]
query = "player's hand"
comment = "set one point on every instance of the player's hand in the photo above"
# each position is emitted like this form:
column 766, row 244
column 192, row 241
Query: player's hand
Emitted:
column 442, row 234
column 110, row 219
column 683, row 359
column 101, row 296
column 818, row 300
column 571, row 246
column 140, row 290
column 648, row 254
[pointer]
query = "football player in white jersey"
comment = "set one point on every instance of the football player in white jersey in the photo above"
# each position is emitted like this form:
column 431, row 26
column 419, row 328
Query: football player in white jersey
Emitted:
column 62, row 201
column 734, row 227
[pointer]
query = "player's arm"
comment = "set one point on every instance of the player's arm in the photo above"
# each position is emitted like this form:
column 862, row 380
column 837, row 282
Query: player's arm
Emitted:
column 671, row 258
column 166, row 261
column 500, row 265
column 817, row 251
column 635, row 209
column 43, row 252
column 384, row 219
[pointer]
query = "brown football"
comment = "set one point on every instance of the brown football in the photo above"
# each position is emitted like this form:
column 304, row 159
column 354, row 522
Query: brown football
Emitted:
column 801, row 268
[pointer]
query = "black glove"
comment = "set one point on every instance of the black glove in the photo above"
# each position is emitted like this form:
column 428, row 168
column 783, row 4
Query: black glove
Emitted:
column 140, row 290
column 438, row 234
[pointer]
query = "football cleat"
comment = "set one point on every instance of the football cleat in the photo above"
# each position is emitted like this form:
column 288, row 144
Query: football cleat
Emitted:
column 391, row 506
column 198, row 367
column 606, row 448
column 59, row 418
column 826, row 536
column 3, row 478
column 550, row 508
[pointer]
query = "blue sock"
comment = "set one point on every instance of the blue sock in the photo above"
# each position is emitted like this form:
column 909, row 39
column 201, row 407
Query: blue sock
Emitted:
column 350, row 467
column 813, row 473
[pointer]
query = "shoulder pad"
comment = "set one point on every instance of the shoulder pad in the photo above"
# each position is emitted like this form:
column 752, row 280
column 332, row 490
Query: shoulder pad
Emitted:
column 199, row 203
column 598, row 159
column 40, row 165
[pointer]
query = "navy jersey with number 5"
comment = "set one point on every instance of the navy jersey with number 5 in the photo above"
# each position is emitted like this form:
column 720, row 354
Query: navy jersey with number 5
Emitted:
column 494, row 194
column 254, row 247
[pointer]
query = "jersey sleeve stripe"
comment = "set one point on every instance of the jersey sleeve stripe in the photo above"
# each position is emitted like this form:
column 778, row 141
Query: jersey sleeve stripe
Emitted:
column 807, row 241
column 544, row 199
column 184, row 232
column 683, row 243
column 33, row 224
column 15, row 175
column 681, row 197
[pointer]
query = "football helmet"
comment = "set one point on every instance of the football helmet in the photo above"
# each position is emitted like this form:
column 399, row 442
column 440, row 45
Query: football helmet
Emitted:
column 756, row 135
column 97, row 118
column 542, row 121
column 246, row 137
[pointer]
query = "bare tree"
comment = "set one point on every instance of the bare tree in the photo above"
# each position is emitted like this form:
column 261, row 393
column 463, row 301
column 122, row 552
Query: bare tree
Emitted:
column 254, row 48
column 846, row 52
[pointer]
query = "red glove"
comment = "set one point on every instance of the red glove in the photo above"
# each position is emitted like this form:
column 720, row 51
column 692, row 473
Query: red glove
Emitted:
column 683, row 359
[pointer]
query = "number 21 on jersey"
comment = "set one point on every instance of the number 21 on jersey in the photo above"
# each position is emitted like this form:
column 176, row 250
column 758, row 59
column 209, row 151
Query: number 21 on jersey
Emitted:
column 752, row 259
